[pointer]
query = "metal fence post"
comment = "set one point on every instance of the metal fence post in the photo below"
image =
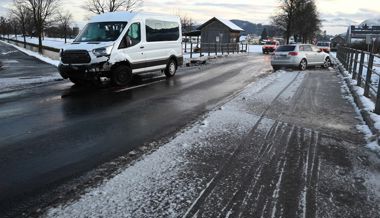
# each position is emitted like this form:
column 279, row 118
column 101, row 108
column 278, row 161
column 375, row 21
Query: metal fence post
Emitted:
column 377, row 108
column 221, row 47
column 361, row 66
column 369, row 75
column 200, row 51
column 351, row 61
column 354, row 72
column 216, row 52
column 208, row 48
column 348, row 54
column 191, row 50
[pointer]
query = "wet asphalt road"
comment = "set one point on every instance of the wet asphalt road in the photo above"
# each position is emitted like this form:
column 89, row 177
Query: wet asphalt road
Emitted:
column 57, row 131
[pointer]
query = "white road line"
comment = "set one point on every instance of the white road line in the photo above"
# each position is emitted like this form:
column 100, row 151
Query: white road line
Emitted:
column 139, row 86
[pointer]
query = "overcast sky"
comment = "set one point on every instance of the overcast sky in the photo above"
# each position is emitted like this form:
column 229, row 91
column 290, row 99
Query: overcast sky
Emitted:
column 337, row 14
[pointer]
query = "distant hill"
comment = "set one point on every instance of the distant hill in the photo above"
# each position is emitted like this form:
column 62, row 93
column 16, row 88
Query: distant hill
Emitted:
column 250, row 28
column 371, row 22
column 256, row 28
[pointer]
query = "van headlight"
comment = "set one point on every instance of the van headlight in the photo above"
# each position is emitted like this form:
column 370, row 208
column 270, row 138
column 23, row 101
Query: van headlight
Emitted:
column 104, row 51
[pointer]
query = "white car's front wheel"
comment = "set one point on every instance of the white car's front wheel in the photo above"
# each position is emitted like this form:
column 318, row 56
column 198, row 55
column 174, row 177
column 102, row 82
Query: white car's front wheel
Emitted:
column 303, row 64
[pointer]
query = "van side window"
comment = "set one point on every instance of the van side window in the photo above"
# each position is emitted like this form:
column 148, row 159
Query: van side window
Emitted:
column 158, row 31
column 134, row 36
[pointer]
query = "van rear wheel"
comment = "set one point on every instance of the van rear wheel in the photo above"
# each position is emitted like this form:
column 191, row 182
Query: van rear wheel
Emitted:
column 171, row 68
column 121, row 75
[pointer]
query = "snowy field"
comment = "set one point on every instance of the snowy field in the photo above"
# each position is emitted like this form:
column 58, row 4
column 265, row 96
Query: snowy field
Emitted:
column 57, row 43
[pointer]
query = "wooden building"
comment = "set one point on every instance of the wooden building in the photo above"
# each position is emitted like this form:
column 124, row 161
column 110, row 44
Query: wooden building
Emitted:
column 219, row 34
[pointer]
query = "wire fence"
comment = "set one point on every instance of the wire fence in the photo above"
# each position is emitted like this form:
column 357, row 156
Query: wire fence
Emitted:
column 365, row 69
column 203, row 49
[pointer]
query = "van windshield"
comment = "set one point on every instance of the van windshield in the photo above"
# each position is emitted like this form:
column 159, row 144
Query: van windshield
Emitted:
column 101, row 32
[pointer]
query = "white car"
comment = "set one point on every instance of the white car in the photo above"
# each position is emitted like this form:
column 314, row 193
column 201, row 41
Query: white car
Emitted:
column 119, row 44
column 301, row 56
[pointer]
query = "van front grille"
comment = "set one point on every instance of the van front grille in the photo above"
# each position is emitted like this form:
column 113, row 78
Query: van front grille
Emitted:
column 75, row 57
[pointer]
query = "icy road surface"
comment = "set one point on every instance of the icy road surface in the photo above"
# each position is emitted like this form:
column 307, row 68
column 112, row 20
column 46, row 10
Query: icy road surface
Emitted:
column 287, row 146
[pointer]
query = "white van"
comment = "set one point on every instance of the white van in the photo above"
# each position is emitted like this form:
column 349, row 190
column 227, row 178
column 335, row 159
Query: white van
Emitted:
column 119, row 44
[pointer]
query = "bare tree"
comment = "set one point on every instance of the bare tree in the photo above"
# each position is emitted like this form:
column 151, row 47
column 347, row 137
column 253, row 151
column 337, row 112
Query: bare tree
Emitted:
column 21, row 13
column 65, row 20
column 43, row 13
column 103, row 6
column 299, row 18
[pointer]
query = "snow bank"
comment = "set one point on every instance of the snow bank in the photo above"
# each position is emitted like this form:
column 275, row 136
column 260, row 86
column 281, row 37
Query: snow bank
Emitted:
column 35, row 54
column 368, row 105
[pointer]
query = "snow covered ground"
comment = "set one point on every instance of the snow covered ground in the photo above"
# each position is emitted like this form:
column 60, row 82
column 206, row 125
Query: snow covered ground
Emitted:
column 57, row 43
column 155, row 176
column 369, row 106
column 35, row 54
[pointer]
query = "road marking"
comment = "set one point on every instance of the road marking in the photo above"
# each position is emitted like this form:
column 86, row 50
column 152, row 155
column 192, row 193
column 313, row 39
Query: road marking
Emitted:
column 9, row 52
column 139, row 86
column 9, row 61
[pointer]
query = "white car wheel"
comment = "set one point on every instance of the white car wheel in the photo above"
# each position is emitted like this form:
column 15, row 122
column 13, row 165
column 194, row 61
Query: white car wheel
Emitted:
column 303, row 64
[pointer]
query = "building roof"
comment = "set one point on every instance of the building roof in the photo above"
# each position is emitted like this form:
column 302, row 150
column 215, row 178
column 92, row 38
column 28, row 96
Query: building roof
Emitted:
column 227, row 23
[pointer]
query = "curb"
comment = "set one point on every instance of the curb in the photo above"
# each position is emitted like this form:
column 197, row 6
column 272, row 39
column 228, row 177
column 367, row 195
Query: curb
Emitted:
column 365, row 113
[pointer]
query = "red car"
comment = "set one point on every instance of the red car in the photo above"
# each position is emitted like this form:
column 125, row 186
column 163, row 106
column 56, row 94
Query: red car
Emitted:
column 270, row 46
column 324, row 46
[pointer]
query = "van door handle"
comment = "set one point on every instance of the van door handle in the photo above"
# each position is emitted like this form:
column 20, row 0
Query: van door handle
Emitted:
column 142, row 47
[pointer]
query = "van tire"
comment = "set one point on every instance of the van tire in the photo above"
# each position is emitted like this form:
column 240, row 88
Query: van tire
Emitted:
column 171, row 68
column 121, row 75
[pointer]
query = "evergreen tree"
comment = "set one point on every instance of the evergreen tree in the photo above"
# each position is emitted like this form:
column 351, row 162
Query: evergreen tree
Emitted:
column 264, row 34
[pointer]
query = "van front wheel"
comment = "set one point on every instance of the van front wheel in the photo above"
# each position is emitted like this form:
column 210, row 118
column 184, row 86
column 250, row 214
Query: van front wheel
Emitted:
column 171, row 68
column 121, row 75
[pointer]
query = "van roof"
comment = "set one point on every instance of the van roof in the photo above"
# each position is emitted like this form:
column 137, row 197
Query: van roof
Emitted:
column 128, row 16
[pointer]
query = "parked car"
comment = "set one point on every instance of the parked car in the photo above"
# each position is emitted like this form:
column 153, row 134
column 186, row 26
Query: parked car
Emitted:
column 119, row 44
column 325, row 46
column 301, row 56
column 270, row 46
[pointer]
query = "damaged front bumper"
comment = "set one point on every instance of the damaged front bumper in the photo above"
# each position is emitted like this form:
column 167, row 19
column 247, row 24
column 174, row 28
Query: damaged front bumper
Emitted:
column 87, row 72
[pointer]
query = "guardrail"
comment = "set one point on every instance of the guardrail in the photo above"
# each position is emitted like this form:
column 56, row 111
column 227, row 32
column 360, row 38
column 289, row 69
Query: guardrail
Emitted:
column 360, row 64
column 214, row 48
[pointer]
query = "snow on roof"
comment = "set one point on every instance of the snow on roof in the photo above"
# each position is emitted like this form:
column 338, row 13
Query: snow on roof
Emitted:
column 229, row 24
column 113, row 16
column 371, row 22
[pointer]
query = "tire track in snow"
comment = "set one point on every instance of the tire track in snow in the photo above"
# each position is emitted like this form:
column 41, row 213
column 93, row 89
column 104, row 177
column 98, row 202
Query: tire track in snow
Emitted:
column 224, row 169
